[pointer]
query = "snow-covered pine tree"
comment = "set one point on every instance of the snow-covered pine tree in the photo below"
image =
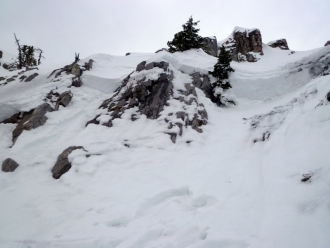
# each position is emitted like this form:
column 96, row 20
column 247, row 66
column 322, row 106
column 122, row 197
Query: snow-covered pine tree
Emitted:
column 220, row 72
column 186, row 39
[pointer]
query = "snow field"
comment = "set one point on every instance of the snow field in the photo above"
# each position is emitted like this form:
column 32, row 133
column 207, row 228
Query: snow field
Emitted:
column 133, row 187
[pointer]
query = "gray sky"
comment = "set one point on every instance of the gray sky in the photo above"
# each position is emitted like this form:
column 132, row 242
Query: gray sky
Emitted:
column 63, row 27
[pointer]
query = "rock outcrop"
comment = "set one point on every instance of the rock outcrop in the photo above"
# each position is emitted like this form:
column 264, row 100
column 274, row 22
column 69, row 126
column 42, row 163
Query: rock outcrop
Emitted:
column 1, row 54
column 63, row 99
column 244, row 41
column 63, row 164
column 211, row 46
column 9, row 165
column 30, row 78
column 151, row 96
column 202, row 81
column 282, row 44
column 31, row 120
column 327, row 43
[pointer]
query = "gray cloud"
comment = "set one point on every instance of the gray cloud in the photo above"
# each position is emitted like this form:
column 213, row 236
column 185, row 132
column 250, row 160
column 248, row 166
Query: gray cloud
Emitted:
column 63, row 27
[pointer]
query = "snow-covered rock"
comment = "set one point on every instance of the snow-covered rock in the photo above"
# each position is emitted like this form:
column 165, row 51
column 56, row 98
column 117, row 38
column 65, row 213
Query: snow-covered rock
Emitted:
column 281, row 43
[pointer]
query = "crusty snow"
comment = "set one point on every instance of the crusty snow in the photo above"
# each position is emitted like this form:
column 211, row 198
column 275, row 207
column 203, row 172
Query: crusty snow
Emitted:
column 217, row 189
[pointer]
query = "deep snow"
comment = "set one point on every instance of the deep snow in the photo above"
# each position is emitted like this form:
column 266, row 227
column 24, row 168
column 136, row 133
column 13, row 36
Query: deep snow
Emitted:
column 138, row 189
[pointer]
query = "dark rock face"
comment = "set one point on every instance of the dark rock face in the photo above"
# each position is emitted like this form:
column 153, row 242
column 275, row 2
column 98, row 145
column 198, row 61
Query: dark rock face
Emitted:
column 62, row 164
column 76, row 81
column 31, row 120
column 244, row 42
column 30, row 78
column 202, row 82
column 211, row 46
column 327, row 43
column 141, row 66
column 248, row 41
column 9, row 165
column 1, row 54
column 151, row 97
column 282, row 44
column 64, row 99
column 328, row 96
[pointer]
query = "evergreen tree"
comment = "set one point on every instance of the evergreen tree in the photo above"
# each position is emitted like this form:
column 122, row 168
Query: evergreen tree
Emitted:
column 186, row 39
column 220, row 72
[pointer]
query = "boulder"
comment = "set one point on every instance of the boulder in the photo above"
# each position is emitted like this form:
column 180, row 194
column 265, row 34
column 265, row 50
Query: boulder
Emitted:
column 211, row 46
column 250, row 57
column 62, row 164
column 9, row 165
column 327, row 43
column 63, row 99
column 328, row 96
column 282, row 44
column 141, row 66
column 1, row 54
column 33, row 119
column 30, row 78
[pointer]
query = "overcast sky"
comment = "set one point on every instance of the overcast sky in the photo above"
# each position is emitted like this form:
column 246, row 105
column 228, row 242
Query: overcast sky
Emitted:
column 63, row 27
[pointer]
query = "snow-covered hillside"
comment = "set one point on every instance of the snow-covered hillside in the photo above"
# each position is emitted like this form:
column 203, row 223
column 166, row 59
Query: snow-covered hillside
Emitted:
column 233, row 181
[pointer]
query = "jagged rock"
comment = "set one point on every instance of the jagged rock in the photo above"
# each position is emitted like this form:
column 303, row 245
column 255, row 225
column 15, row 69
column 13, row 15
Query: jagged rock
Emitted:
column 327, row 43
column 150, row 98
column 9, row 165
column 1, row 54
column 2, row 78
column 62, row 164
column 162, row 49
column 30, row 78
column 141, row 66
column 88, row 65
column 76, row 82
column 75, row 70
column 282, row 44
column 211, row 46
column 31, row 120
column 64, row 99
column 202, row 82
column 248, row 41
column 127, row 54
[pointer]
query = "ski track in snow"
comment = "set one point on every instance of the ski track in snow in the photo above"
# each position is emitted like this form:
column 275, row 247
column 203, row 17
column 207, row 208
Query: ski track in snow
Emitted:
column 138, row 189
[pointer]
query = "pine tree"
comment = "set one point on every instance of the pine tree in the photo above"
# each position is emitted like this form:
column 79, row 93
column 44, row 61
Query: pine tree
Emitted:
column 186, row 39
column 220, row 72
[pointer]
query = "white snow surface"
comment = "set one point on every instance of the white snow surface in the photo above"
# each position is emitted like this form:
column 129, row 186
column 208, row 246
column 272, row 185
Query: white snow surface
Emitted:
column 138, row 189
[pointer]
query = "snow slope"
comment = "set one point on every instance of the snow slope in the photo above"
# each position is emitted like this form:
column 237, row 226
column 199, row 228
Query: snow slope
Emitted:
column 138, row 189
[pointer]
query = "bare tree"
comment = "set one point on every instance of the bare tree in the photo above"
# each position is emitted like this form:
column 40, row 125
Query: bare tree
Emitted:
column 20, row 59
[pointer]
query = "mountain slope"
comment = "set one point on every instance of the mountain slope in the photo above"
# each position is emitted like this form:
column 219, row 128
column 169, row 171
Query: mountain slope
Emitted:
column 131, row 186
